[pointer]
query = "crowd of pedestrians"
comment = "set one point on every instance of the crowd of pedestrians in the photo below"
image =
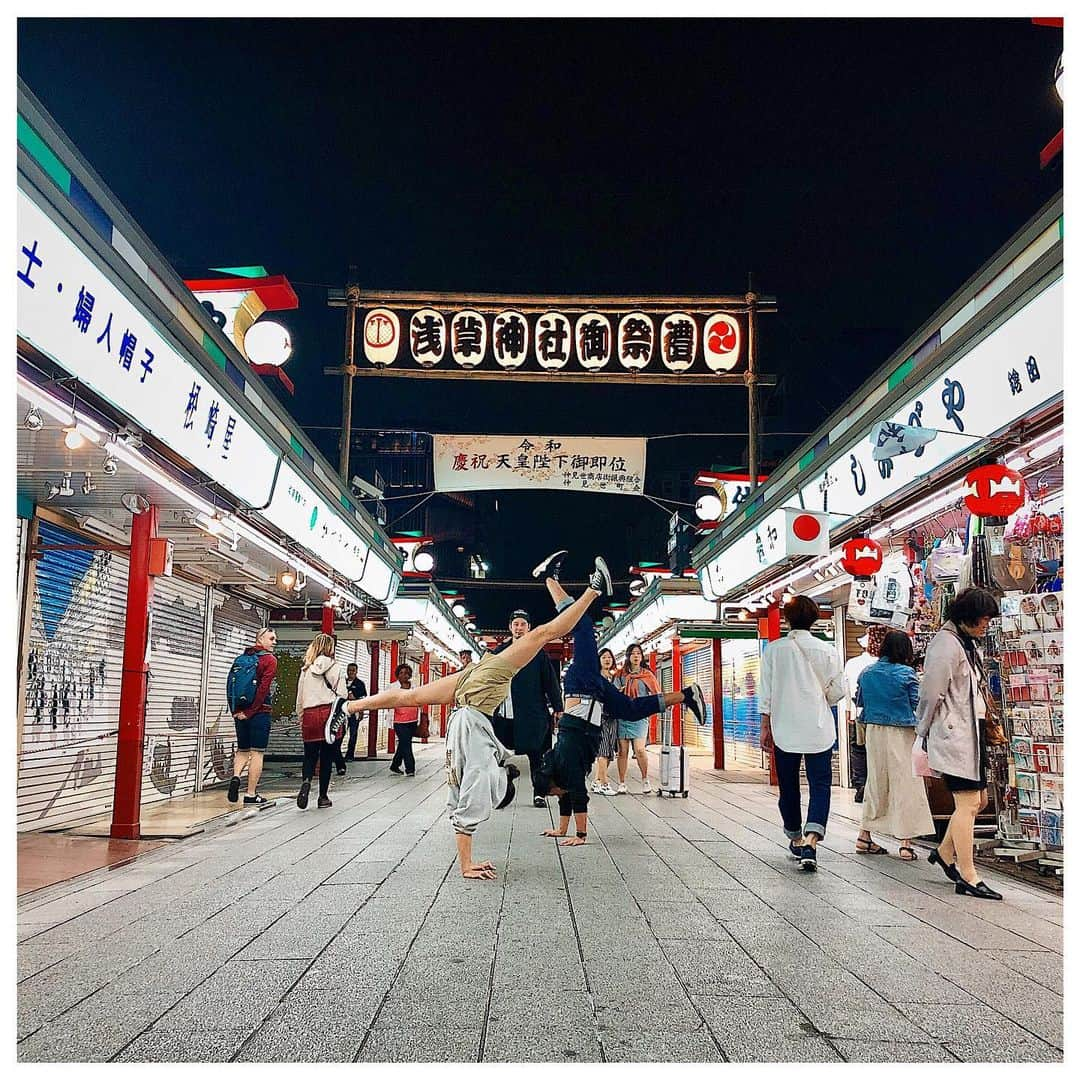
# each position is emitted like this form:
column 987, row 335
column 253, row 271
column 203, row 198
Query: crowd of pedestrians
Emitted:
column 510, row 703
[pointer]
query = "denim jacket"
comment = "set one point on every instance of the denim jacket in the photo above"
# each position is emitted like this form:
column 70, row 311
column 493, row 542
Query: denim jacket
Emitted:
column 888, row 694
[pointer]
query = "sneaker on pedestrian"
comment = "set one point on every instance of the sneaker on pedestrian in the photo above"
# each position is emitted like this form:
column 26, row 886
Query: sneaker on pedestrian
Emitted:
column 341, row 770
column 551, row 566
column 606, row 789
column 622, row 790
column 538, row 801
column 337, row 721
column 808, row 858
column 324, row 802
column 395, row 769
column 796, row 850
column 695, row 702
column 646, row 787
column 410, row 774
column 234, row 789
column 302, row 797
column 254, row 800
column 600, row 578
column 597, row 787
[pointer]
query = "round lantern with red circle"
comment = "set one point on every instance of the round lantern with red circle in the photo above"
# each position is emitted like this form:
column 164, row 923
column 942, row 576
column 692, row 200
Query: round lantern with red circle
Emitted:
column 862, row 557
column 994, row 491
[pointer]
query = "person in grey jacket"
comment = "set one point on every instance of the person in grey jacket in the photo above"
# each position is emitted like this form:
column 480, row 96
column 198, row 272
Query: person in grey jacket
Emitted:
column 949, row 721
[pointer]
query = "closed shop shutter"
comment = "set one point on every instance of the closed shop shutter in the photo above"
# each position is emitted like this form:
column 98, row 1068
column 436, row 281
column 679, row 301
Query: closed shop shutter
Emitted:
column 233, row 625
column 286, row 743
column 20, row 552
column 74, row 654
column 386, row 716
column 697, row 667
column 174, row 697
column 741, row 666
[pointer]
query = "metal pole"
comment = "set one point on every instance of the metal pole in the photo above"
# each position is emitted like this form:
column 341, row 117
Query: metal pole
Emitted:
column 717, row 705
column 352, row 302
column 753, row 420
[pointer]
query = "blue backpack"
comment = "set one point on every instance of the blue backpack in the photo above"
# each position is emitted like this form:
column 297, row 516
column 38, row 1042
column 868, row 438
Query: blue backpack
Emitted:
column 243, row 680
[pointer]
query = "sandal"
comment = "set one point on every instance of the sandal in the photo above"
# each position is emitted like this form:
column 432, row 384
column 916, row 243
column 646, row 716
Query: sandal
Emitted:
column 908, row 853
column 868, row 847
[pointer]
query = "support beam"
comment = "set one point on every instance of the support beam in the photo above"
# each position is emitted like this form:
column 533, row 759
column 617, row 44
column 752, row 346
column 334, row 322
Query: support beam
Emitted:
column 425, row 677
column 676, row 683
column 127, row 786
column 717, row 704
column 391, row 734
column 373, row 715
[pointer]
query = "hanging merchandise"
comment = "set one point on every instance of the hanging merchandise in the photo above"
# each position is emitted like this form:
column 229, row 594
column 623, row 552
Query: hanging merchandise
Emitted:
column 859, row 597
column 946, row 558
column 893, row 587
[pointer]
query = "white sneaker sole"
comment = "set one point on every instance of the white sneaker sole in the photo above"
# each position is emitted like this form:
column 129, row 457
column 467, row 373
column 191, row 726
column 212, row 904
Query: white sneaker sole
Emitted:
column 540, row 568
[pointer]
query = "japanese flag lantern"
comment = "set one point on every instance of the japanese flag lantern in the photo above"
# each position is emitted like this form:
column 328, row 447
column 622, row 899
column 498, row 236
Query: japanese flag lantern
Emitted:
column 862, row 556
column 993, row 491
column 807, row 533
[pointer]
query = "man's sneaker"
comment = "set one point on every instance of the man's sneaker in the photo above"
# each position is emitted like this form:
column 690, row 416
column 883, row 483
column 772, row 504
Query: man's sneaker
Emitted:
column 551, row 566
column 337, row 721
column 600, row 578
column 302, row 797
column 324, row 802
column 234, row 789
column 394, row 769
column 796, row 850
column 695, row 702
column 809, row 857
column 621, row 790
column 646, row 787
column 254, row 800
column 537, row 801
column 606, row 789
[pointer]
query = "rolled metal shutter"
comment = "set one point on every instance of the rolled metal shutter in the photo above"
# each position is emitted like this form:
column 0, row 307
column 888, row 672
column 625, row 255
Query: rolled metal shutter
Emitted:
column 741, row 666
column 74, row 654
column 233, row 625
column 386, row 716
column 697, row 667
column 174, row 695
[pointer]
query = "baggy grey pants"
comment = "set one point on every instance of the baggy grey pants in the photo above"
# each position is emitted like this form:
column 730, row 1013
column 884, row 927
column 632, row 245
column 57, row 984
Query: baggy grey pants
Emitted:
column 475, row 771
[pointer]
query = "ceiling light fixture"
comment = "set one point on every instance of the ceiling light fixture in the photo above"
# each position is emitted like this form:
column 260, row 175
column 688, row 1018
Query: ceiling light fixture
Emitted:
column 33, row 420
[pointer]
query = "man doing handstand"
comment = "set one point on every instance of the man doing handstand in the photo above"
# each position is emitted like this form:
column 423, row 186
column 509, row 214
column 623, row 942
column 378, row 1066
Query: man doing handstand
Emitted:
column 478, row 774
column 564, row 768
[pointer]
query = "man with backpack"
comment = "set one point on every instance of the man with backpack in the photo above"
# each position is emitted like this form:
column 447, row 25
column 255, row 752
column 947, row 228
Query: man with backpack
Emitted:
column 250, row 691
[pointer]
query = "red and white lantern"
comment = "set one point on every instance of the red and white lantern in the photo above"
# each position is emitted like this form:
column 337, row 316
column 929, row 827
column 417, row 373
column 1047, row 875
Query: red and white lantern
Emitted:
column 862, row 557
column 994, row 491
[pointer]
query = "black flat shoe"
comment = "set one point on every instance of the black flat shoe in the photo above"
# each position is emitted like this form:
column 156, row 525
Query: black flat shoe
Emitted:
column 979, row 889
column 949, row 869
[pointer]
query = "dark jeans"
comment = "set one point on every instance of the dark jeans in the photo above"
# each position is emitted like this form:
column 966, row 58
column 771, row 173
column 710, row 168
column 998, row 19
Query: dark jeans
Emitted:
column 404, row 733
column 323, row 755
column 354, row 728
column 857, row 756
column 819, row 777
column 583, row 679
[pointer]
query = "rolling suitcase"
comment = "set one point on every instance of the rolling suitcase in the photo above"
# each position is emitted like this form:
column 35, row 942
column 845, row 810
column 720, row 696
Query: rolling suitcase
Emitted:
column 674, row 778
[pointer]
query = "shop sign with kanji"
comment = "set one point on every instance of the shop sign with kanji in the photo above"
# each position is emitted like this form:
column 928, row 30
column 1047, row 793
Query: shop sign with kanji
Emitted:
column 540, row 462
column 70, row 310
column 602, row 336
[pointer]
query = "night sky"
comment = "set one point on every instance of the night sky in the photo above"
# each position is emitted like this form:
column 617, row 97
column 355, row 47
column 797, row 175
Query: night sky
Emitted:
column 861, row 170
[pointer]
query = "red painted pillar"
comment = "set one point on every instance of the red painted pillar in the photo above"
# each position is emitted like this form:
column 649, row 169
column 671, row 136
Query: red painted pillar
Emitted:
column 391, row 737
column 443, row 709
column 327, row 619
column 717, row 705
column 127, row 786
column 425, row 677
column 676, row 683
column 373, row 716
column 653, row 733
column 769, row 630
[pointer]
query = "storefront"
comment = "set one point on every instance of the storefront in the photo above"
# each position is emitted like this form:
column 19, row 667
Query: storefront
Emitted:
column 986, row 373
column 166, row 505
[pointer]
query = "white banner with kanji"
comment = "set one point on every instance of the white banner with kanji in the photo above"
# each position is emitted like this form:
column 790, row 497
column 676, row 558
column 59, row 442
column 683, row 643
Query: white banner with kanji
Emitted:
column 540, row 462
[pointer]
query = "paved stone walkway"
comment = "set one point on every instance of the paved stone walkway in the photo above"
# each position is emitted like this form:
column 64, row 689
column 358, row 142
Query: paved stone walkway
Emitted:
column 681, row 932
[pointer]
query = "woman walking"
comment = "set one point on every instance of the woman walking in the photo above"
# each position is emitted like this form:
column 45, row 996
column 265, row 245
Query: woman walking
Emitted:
column 406, row 721
column 637, row 681
column 894, row 801
column 609, row 732
column 950, row 719
column 321, row 680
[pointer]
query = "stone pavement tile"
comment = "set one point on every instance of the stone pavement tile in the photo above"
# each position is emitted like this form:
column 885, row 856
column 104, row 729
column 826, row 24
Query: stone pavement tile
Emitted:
column 979, row 1033
column 44, row 996
column 660, row 1046
column 633, row 979
column 718, row 968
column 34, row 957
column 1030, row 925
column 96, row 1028
column 178, row 966
column 739, row 906
column 358, row 871
column 207, row 1045
column 331, row 899
column 693, row 920
column 403, row 1006
column 559, row 1044
column 890, row 1052
column 296, row 936
column 647, row 1010
column 405, row 1043
column 1045, row 968
column 528, row 1008
column 511, row 968
column 239, row 995
column 761, row 1030
column 342, row 966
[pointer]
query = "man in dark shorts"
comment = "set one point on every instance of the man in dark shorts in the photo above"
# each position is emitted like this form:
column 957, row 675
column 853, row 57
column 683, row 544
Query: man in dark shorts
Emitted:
column 253, row 723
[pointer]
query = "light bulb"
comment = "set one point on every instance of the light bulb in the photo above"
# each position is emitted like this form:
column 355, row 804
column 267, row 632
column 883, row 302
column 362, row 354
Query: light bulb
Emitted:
column 709, row 508
column 74, row 438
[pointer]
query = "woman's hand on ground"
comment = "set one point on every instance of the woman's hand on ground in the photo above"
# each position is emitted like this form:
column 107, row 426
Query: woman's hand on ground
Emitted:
column 572, row 841
column 480, row 872
column 552, row 832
